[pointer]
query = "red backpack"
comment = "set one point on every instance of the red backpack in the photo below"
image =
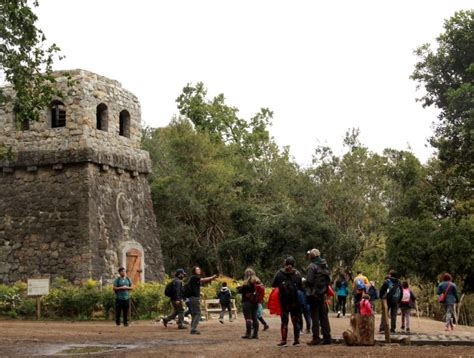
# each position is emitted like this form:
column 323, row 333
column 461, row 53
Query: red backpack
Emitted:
column 259, row 294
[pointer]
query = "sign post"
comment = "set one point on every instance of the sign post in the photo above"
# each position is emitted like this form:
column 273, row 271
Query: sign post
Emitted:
column 38, row 287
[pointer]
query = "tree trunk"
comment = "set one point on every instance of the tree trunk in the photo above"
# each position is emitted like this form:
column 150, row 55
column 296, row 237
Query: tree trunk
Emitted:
column 362, row 331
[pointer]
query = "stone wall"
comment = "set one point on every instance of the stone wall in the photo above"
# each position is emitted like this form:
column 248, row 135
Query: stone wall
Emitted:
column 74, row 220
column 43, row 223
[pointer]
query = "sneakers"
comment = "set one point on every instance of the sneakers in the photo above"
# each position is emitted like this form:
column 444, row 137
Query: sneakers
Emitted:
column 313, row 343
column 407, row 330
column 221, row 320
column 164, row 321
column 195, row 332
column 266, row 327
column 246, row 336
column 254, row 337
column 282, row 344
column 402, row 327
column 308, row 331
column 338, row 314
column 182, row 327
column 296, row 343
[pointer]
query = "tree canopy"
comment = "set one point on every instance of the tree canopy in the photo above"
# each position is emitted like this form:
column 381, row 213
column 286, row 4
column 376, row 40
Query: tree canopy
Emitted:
column 25, row 59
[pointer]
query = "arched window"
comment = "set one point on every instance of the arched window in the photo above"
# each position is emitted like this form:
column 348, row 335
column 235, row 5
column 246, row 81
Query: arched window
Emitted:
column 102, row 117
column 58, row 114
column 124, row 125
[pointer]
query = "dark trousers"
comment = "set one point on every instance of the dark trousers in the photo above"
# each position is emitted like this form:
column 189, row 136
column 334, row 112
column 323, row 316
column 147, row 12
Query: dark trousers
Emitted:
column 121, row 306
column 251, row 321
column 341, row 304
column 224, row 307
column 178, row 310
column 294, row 311
column 319, row 316
column 357, row 299
column 392, row 312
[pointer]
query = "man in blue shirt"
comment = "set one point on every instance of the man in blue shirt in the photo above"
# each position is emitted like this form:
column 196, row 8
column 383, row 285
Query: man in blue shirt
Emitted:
column 122, row 286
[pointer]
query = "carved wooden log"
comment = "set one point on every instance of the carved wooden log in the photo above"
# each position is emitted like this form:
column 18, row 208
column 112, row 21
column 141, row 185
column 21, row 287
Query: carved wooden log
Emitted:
column 362, row 331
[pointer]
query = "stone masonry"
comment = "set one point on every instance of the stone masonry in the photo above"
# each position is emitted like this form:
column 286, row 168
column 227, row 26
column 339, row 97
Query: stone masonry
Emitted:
column 74, row 196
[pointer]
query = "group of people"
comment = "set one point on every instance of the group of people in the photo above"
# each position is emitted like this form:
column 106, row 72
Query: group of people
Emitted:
column 296, row 297
column 293, row 297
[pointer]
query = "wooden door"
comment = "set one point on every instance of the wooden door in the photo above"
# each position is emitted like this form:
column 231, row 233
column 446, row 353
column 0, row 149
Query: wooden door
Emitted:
column 134, row 265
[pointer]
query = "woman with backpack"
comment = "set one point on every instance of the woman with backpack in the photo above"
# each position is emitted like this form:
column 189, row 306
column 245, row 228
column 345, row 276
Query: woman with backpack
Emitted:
column 250, row 299
column 448, row 295
column 392, row 292
column 289, row 281
column 407, row 302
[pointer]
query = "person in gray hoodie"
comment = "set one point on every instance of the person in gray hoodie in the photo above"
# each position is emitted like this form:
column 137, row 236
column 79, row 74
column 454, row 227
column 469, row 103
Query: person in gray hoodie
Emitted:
column 225, row 299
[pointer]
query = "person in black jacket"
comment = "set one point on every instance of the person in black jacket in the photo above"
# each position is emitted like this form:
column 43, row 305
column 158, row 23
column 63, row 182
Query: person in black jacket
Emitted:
column 317, row 283
column 391, row 291
column 249, row 303
column 289, row 281
column 176, row 300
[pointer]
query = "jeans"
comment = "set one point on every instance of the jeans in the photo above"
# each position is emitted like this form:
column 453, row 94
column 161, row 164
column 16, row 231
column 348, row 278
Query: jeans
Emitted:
column 392, row 311
column 319, row 316
column 405, row 317
column 225, row 307
column 121, row 306
column 178, row 310
column 449, row 314
column 195, row 308
column 251, row 321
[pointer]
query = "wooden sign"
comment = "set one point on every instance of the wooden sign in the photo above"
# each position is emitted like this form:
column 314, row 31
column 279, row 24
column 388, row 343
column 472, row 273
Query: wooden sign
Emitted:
column 38, row 287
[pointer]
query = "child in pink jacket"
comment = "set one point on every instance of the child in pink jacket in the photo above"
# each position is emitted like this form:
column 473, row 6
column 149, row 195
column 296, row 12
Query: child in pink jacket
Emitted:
column 365, row 308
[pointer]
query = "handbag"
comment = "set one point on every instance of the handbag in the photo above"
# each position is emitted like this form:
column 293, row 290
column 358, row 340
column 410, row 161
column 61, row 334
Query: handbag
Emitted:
column 442, row 297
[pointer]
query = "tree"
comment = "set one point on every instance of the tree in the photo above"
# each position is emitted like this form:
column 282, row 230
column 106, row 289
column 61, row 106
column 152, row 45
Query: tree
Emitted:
column 447, row 75
column 25, row 61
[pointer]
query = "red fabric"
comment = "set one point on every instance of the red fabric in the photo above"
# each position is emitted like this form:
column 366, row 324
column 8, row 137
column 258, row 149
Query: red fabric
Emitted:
column 365, row 307
column 330, row 292
column 274, row 302
column 259, row 292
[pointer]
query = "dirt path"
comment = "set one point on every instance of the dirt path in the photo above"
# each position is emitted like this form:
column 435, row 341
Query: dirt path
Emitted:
column 149, row 339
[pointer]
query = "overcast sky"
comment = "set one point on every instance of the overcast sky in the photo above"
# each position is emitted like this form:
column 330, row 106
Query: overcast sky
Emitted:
column 321, row 66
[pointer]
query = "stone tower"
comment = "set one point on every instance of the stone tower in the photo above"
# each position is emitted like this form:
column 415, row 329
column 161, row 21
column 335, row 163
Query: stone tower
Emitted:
column 74, row 196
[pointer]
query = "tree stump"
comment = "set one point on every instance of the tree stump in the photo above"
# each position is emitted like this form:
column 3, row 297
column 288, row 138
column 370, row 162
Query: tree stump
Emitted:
column 362, row 332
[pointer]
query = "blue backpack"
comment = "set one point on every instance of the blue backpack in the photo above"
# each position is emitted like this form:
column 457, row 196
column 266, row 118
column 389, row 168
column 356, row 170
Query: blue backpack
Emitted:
column 359, row 283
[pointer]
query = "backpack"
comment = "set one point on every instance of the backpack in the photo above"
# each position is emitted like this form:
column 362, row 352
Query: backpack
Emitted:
column 170, row 289
column 259, row 292
column 288, row 289
column 187, row 292
column 406, row 295
column 321, row 280
column 394, row 292
column 359, row 283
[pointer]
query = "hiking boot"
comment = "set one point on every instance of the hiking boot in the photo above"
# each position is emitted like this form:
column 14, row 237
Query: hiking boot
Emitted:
column 402, row 328
column 231, row 319
column 254, row 337
column 338, row 314
column 182, row 327
column 308, row 331
column 246, row 336
column 282, row 344
column 314, row 342
column 164, row 321
column 326, row 342
column 296, row 343
column 195, row 332
column 266, row 327
column 393, row 331
column 221, row 320
column 408, row 330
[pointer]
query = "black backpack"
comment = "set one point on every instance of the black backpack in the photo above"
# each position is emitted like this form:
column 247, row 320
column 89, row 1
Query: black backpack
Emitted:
column 170, row 289
column 321, row 280
column 288, row 288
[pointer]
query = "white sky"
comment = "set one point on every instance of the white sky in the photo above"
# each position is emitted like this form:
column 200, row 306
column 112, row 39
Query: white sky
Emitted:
column 321, row 66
